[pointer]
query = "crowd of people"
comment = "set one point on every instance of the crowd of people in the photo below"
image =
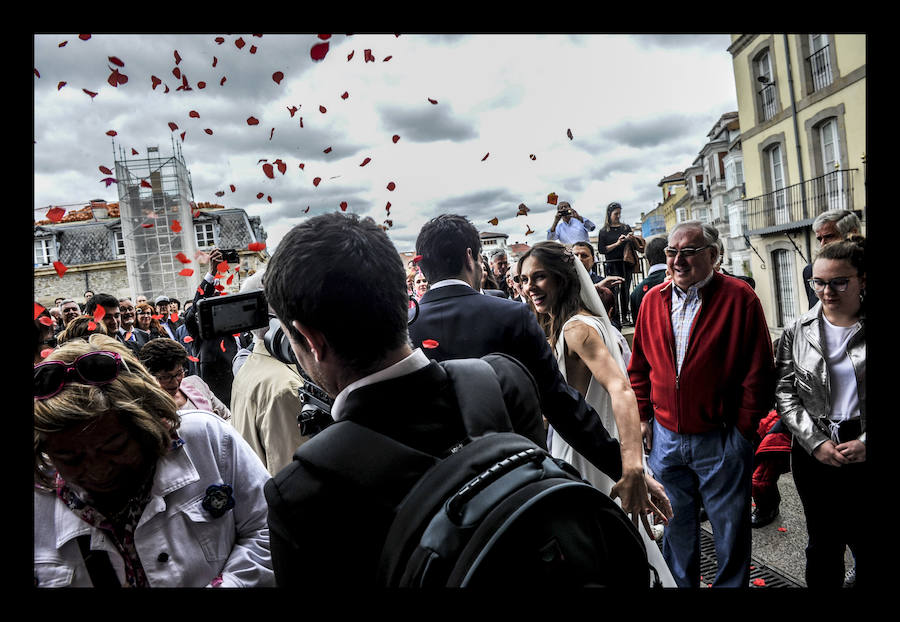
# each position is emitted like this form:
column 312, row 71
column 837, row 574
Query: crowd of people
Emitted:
column 170, row 459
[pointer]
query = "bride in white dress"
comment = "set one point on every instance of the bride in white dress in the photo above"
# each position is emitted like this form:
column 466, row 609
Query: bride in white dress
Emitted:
column 568, row 307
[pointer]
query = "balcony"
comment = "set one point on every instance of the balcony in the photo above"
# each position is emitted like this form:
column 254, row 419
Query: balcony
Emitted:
column 767, row 101
column 733, row 194
column 783, row 209
column 819, row 65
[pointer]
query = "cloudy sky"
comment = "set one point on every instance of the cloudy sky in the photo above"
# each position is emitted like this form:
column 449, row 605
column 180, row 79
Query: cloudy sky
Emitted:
column 482, row 121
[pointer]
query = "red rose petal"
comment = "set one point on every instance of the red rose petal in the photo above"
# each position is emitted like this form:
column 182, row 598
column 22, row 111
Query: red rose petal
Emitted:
column 63, row 44
column 253, row 49
column 229, row 280
column 155, row 81
column 256, row 246
column 38, row 309
column 272, row 133
column 220, row 40
column 46, row 320
column 172, row 126
column 417, row 259
column 319, row 51
column 269, row 170
column 222, row 81
column 391, row 186
column 388, row 206
column 134, row 151
column 322, row 109
column 324, row 37
column 91, row 325
column 259, row 195
column 486, row 156
column 369, row 57
column 60, row 85
column 316, row 181
column 194, row 114
column 302, row 165
column 145, row 184
column 173, row 317
column 345, row 95
column 551, row 198
column 55, row 214
column 366, row 161
column 182, row 136
column 201, row 85
column 278, row 77
column 99, row 312
column 759, row 582
column 208, row 131
column 343, row 206
column 182, row 258
column 192, row 358
column 306, row 210
column 387, row 58
column 433, row 101
column 222, row 345
column 268, row 198
column 188, row 339
column 84, row 37
column 350, row 55
column 430, row 343
column 176, row 226
column 240, row 42
column 91, row 93
column 328, row 150
column 395, row 138
column 494, row 221
column 177, row 57
column 782, row 529
column 569, row 134
column 147, row 225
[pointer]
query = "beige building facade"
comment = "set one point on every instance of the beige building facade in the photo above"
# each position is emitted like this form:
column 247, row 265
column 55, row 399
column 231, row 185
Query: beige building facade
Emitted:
column 802, row 108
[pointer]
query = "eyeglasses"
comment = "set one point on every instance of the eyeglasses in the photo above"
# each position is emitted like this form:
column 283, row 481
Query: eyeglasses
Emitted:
column 838, row 284
column 169, row 377
column 685, row 252
column 94, row 368
column 145, row 312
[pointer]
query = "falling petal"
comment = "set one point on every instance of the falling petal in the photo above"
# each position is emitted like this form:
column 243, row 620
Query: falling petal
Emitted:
column 391, row 186
column 302, row 165
column 306, row 210
column 155, row 81
column 193, row 358
column 292, row 110
column 278, row 77
column 260, row 195
column 105, row 170
column 395, row 138
column 366, row 161
column 369, row 57
column 215, row 61
column 108, row 181
column 322, row 109
column 99, row 312
column 111, row 133
column 222, row 345
column 60, row 85
column 388, row 206
column 177, row 73
column 239, row 42
column 319, row 51
column 84, row 37
column 134, row 151
column 188, row 339
column 46, row 320
column 569, row 134
column 433, row 101
column 494, row 221
column 350, row 55
column 38, row 73
column 173, row 317
column 272, row 133
column 269, row 170
column 177, row 57
column 91, row 325
column 182, row 257
column 486, row 156
column 523, row 210
column 167, row 88
column 327, row 150
column 532, row 157
column 759, row 582
column 229, row 280
column 145, row 184
column 176, row 226
column 147, row 225
column 430, row 343
column 38, row 309
column 182, row 136
column 186, row 272
column 172, row 126
column 201, row 85
column 222, row 81
column 208, row 131
column 301, row 121
column 387, row 58
column 551, row 198
column 220, row 40
column 316, row 181
column 282, row 166
column 530, row 230
column 345, row 95
column 256, row 246
column 220, row 193
column 253, row 49
column 324, row 37
column 55, row 214
column 91, row 93
column 232, row 187
column 268, row 198
column 343, row 206
column 417, row 259
column 63, row 44
column 194, row 114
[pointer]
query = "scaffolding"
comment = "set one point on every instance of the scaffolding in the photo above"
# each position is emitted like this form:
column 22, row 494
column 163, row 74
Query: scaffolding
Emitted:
column 154, row 192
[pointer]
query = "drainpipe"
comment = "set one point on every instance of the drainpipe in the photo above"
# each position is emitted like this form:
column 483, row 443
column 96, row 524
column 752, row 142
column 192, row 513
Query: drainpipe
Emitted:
column 787, row 55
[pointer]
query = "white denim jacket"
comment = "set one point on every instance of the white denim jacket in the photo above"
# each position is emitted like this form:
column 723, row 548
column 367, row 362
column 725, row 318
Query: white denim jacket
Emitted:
column 179, row 543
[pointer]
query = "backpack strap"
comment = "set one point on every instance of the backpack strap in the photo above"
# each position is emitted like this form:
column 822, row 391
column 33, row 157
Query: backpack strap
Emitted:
column 479, row 396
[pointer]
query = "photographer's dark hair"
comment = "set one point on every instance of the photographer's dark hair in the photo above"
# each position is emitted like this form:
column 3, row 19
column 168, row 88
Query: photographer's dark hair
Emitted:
column 343, row 276
column 442, row 243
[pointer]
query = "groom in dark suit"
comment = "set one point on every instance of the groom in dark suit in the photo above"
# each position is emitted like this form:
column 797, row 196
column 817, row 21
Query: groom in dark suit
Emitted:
column 338, row 287
column 456, row 321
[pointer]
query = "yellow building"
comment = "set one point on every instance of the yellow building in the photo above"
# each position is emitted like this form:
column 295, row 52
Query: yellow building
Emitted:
column 802, row 109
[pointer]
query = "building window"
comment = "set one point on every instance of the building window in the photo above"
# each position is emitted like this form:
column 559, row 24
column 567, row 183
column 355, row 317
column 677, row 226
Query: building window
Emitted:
column 766, row 92
column 701, row 214
column 830, row 146
column 776, row 171
column 204, row 233
column 819, row 62
column 44, row 251
column 119, row 241
column 735, row 221
column 785, row 290
column 680, row 215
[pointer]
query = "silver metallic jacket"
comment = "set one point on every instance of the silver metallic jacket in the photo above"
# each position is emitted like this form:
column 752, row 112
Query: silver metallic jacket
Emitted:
column 803, row 391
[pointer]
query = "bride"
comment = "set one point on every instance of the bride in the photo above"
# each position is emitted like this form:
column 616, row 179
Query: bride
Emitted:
column 570, row 311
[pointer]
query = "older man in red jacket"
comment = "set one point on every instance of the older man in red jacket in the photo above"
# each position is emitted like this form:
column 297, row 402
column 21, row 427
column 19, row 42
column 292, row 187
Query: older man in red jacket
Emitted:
column 702, row 369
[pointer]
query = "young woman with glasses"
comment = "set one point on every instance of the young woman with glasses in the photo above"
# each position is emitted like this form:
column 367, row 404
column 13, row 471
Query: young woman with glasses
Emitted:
column 131, row 492
column 821, row 397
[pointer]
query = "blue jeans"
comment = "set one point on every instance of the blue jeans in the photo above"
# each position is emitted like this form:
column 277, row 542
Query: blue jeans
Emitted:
column 715, row 469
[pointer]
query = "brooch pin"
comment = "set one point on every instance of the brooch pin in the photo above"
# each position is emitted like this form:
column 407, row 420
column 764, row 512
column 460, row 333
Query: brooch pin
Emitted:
column 218, row 499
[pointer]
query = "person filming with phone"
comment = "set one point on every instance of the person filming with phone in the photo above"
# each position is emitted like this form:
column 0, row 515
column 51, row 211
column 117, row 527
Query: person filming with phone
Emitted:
column 569, row 226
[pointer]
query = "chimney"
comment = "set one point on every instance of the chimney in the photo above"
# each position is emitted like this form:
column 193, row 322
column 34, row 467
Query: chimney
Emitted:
column 99, row 209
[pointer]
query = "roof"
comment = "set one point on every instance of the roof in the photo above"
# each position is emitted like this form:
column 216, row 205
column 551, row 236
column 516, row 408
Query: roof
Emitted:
column 87, row 212
column 679, row 176
column 491, row 234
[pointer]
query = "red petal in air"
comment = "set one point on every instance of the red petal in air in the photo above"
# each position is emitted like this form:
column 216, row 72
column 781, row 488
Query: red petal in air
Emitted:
column 182, row 136
column 256, row 246
column 116, row 61
column 327, row 150
column 172, row 126
column 111, row 133
column 387, row 58
column 188, row 339
column 395, row 138
column 282, row 166
column 99, row 312
column 268, row 170
column 316, row 181
column 134, row 151
column 391, row 186
column 177, row 57
column 259, row 195
column 345, row 95
column 182, row 258
column 433, row 101
column 759, row 582
column 208, row 131
column 38, row 309
column 569, row 134
column 91, row 325
column 278, row 77
column 201, row 85
column 229, row 280
column 302, row 165
column 63, row 44
column 147, row 225
column 222, row 81
column 155, row 81
column 167, row 88
column 176, row 226
column 324, row 37
column 253, row 49
column 388, row 206
column 417, row 259
column 369, row 57
column 215, row 61
column 232, row 187
column 343, row 206
column 430, row 343
column 108, row 181
column 173, row 317
column 186, row 272
column 551, row 198
column 494, row 221
column 306, row 210
column 292, row 110
column 46, row 320
column 366, row 161
column 252, row 121
column 239, row 42
column 194, row 114
column 192, row 358
column 91, row 93
column 220, row 40
column 105, row 170
column 60, row 85
column 271, row 133
column 145, row 184
column 220, row 193
column 268, row 198
column 322, row 109
column 301, row 121
column 55, row 214
column 486, row 156
column 38, row 73
column 84, row 37
column 319, row 51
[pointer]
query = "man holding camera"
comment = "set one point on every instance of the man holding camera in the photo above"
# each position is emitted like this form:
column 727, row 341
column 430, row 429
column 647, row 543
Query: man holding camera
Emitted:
column 338, row 288
column 568, row 226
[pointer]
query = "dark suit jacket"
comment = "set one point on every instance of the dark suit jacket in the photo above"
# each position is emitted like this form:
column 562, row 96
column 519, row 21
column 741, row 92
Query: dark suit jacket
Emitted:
column 215, row 363
column 637, row 294
column 467, row 324
column 323, row 526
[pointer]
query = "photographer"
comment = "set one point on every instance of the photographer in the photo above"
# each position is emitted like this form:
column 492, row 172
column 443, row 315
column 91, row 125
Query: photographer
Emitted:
column 215, row 355
column 569, row 226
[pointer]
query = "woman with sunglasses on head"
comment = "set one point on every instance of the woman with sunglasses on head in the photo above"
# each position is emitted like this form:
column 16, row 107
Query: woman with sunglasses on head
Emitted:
column 568, row 307
column 821, row 397
column 167, row 360
column 145, row 322
column 131, row 492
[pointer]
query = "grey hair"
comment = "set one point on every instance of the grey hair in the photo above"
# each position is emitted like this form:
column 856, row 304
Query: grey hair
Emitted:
column 498, row 253
column 844, row 220
column 710, row 233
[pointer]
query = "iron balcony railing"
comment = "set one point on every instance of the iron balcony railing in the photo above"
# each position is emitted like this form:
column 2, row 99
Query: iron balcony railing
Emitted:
column 819, row 64
column 767, row 101
column 781, row 207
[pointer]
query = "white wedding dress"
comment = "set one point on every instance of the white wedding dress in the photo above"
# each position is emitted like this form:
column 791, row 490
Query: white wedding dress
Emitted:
column 600, row 401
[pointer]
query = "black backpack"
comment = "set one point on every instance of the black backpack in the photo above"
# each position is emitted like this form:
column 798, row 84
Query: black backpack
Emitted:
column 498, row 511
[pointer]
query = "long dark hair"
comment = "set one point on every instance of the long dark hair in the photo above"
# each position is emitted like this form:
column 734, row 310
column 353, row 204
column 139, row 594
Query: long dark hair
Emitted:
column 559, row 261
column 609, row 210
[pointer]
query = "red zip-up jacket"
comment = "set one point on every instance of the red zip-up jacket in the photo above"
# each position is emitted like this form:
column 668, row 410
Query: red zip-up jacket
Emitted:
column 728, row 373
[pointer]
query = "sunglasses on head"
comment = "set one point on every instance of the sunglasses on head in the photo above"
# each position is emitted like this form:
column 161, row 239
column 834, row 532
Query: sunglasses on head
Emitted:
column 94, row 368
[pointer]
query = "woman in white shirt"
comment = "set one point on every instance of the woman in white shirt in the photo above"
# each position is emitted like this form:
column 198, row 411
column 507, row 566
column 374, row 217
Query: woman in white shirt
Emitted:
column 821, row 397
